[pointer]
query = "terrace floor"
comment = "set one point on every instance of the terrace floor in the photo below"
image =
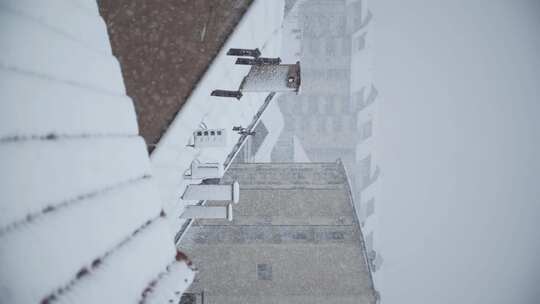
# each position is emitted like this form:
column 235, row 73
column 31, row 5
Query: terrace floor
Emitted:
column 164, row 47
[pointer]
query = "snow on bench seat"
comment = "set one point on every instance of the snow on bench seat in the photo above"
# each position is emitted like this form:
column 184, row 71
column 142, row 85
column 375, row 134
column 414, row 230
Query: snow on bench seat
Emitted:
column 43, row 173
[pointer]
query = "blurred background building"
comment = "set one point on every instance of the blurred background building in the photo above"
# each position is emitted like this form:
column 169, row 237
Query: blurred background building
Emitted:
column 294, row 239
column 335, row 114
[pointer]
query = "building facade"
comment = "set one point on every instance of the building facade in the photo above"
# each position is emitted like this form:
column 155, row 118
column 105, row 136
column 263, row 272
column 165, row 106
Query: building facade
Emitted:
column 335, row 114
column 294, row 239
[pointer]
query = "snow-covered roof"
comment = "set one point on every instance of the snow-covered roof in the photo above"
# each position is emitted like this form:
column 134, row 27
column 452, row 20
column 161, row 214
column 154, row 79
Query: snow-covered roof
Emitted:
column 80, row 215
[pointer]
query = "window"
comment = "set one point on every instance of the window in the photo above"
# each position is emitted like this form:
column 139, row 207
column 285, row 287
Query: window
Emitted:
column 370, row 207
column 264, row 272
column 296, row 109
column 330, row 47
column 205, row 133
column 321, row 105
column 337, row 105
column 305, row 105
column 188, row 298
column 314, row 46
column 329, row 109
column 299, row 236
column 360, row 42
column 372, row 255
column 341, row 25
column 372, row 95
column 357, row 13
column 354, row 123
column 299, row 125
column 337, row 235
column 330, row 123
column 313, row 106
column 358, row 99
column 345, row 47
column 345, row 121
column 366, row 130
column 321, row 125
column 213, row 133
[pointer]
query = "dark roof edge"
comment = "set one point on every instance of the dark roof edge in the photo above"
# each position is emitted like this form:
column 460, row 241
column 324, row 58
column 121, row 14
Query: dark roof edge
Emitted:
column 201, row 76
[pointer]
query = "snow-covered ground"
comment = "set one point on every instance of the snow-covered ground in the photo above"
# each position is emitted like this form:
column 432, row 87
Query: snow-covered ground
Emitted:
column 260, row 28
column 80, row 216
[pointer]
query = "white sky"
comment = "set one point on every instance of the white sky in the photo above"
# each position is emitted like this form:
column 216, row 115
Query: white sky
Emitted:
column 459, row 146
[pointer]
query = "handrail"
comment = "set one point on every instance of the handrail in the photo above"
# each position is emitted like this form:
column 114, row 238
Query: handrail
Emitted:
column 230, row 157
